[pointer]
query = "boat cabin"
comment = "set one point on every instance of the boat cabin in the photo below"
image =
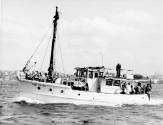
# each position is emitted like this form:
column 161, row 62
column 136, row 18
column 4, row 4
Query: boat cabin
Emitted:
column 91, row 76
column 112, row 85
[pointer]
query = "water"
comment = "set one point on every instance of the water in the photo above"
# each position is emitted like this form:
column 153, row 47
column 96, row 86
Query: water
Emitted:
column 22, row 113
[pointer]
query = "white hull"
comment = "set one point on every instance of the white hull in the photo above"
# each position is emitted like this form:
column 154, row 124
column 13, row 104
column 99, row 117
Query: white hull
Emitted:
column 53, row 93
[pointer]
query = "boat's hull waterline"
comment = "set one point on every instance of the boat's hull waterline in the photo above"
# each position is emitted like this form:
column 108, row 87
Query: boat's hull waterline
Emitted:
column 51, row 93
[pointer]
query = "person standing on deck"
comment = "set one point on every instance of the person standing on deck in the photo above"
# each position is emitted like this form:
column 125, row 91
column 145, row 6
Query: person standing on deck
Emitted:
column 148, row 89
column 118, row 69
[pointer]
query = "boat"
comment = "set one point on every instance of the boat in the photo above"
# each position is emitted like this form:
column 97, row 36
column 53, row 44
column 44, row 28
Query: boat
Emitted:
column 88, row 85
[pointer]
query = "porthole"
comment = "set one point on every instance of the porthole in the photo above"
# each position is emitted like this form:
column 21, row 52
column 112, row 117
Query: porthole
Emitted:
column 50, row 89
column 62, row 91
column 38, row 88
column 79, row 94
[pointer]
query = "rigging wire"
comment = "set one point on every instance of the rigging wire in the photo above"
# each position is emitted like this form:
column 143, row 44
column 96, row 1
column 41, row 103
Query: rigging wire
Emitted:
column 42, row 39
column 45, row 52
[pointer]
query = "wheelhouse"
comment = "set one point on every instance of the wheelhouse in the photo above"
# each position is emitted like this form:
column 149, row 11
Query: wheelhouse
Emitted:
column 89, row 72
column 90, row 76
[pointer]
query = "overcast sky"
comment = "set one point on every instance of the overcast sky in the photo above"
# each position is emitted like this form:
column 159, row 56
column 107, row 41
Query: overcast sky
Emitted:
column 129, row 32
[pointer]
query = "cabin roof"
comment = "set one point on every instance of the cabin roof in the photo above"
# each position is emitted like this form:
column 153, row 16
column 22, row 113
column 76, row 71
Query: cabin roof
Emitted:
column 90, row 68
column 124, row 79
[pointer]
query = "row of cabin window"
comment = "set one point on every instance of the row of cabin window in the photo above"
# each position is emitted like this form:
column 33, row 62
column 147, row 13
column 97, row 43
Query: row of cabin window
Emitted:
column 91, row 74
column 111, row 82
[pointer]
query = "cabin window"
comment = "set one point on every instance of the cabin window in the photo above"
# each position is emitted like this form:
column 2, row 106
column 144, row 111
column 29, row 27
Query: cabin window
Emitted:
column 109, row 82
column 96, row 74
column 101, row 74
column 77, row 73
column 116, row 82
column 90, row 74
column 83, row 74
column 70, row 83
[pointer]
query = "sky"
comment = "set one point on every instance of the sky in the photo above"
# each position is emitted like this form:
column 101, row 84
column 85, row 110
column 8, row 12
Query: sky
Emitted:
column 89, row 33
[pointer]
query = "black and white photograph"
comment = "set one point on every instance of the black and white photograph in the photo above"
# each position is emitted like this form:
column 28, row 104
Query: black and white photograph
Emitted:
column 81, row 62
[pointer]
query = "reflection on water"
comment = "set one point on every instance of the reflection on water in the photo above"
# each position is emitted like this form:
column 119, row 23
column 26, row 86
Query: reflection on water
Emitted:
column 68, row 114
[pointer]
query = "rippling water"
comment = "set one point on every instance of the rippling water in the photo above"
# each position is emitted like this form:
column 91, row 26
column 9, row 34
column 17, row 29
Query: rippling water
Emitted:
column 22, row 113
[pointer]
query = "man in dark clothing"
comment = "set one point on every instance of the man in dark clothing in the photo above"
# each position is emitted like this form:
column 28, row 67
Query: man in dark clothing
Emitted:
column 138, row 88
column 118, row 69
column 147, row 89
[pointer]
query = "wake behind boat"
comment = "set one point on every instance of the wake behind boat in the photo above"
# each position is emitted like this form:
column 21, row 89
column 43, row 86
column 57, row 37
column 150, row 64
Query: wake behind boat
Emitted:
column 89, row 85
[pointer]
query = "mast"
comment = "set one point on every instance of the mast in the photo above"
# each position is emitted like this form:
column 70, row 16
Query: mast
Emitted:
column 52, row 61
